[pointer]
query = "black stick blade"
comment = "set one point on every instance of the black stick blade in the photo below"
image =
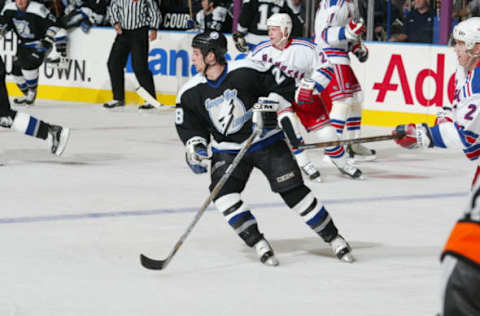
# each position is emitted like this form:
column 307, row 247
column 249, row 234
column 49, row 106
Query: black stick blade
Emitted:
column 152, row 264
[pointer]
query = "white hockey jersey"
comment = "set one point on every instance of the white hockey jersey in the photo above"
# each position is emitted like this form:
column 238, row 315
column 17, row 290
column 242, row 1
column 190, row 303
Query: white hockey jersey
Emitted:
column 330, row 20
column 464, row 132
column 299, row 59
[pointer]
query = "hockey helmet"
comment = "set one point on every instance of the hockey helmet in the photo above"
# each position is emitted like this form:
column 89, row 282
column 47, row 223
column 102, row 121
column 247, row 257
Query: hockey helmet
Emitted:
column 468, row 31
column 211, row 41
column 282, row 20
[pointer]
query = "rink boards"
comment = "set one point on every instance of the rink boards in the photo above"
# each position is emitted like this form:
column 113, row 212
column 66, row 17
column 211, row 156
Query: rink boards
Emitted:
column 401, row 82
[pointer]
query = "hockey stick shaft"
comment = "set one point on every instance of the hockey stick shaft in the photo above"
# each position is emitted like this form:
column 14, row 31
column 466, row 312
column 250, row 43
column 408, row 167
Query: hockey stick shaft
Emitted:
column 161, row 264
column 394, row 135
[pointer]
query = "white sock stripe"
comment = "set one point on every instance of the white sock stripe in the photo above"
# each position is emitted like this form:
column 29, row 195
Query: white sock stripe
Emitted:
column 304, row 203
column 225, row 202
column 20, row 123
column 323, row 224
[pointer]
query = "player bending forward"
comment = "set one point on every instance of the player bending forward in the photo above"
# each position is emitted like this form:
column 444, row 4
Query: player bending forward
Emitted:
column 56, row 135
column 461, row 255
column 215, row 107
column 308, row 65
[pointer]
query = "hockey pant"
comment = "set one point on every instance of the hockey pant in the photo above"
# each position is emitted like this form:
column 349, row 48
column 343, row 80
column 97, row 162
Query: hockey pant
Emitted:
column 284, row 176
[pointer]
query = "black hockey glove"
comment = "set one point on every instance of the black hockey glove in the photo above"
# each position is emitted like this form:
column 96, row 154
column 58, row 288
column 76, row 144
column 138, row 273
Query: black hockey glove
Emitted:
column 46, row 43
column 196, row 154
column 240, row 42
column 265, row 115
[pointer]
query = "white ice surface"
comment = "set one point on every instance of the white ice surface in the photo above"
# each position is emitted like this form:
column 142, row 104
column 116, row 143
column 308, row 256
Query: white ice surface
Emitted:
column 72, row 228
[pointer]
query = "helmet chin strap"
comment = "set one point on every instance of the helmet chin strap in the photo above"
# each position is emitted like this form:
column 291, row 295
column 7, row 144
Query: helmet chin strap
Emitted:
column 471, row 59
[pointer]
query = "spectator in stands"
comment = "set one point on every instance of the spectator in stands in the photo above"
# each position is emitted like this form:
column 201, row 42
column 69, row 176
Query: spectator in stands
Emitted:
column 418, row 25
column 214, row 16
column 471, row 9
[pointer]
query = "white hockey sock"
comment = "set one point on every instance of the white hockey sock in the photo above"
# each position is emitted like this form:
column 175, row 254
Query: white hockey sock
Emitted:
column 338, row 115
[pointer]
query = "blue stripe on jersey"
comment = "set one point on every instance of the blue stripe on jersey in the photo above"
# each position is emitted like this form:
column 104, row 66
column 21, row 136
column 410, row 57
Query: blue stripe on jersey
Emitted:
column 341, row 33
column 32, row 126
column 260, row 46
column 461, row 135
column 333, row 2
column 437, row 137
column 475, row 82
column 259, row 145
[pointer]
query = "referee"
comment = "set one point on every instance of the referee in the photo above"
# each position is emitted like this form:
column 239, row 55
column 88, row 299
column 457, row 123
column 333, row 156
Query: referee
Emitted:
column 132, row 20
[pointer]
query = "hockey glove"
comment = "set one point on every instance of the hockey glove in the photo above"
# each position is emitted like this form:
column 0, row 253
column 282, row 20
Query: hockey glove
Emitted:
column 354, row 30
column 196, row 154
column 46, row 44
column 304, row 93
column 240, row 42
column 416, row 136
column 265, row 114
column 361, row 51
column 444, row 115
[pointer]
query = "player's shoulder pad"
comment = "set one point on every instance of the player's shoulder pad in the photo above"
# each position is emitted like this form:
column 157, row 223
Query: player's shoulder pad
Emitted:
column 261, row 46
column 10, row 6
column 475, row 82
column 248, row 63
column 38, row 9
column 191, row 83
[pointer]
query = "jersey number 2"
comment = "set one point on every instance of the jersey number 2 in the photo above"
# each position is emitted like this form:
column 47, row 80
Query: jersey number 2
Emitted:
column 472, row 108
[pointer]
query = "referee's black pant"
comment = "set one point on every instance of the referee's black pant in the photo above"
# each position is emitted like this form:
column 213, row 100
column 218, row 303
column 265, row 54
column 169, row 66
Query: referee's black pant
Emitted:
column 135, row 42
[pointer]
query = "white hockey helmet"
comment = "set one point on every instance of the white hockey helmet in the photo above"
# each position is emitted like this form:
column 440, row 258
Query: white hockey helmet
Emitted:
column 468, row 31
column 283, row 20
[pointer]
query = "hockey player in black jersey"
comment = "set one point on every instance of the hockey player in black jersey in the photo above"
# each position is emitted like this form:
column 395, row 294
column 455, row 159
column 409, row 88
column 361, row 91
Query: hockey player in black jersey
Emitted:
column 35, row 28
column 56, row 135
column 215, row 108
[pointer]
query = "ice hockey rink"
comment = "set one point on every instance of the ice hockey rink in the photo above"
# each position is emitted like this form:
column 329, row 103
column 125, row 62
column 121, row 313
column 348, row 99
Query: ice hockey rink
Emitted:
column 72, row 228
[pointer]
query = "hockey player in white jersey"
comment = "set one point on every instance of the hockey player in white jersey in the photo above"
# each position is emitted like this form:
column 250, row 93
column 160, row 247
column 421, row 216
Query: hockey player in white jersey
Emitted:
column 305, row 63
column 338, row 32
column 461, row 254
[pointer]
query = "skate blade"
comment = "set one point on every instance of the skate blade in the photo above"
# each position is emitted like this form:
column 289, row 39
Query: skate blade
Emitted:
column 348, row 258
column 271, row 262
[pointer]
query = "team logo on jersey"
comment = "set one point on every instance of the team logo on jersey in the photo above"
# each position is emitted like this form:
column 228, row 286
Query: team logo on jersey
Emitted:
column 227, row 112
column 23, row 28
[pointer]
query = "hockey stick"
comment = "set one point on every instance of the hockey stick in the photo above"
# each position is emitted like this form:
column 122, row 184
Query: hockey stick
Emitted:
column 149, row 98
column 394, row 135
column 154, row 264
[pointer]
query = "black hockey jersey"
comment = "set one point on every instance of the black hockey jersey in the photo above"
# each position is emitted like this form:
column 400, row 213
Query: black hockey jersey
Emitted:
column 253, row 19
column 222, row 108
column 219, row 20
column 30, row 25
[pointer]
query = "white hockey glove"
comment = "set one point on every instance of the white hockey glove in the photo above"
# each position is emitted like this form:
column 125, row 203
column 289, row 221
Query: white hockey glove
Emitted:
column 240, row 42
column 445, row 115
column 265, row 114
column 360, row 51
column 354, row 30
column 196, row 154
column 416, row 136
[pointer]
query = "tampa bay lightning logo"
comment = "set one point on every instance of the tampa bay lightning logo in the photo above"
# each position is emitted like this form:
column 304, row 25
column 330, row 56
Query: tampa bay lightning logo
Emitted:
column 23, row 28
column 227, row 112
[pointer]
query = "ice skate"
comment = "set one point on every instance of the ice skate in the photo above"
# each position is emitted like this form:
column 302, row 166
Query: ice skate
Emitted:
column 58, row 137
column 358, row 152
column 28, row 99
column 114, row 104
column 342, row 249
column 348, row 170
column 265, row 253
column 146, row 106
column 311, row 172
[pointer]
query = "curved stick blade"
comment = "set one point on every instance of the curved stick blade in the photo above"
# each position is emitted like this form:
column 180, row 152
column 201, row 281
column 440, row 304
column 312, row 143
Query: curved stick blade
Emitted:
column 152, row 264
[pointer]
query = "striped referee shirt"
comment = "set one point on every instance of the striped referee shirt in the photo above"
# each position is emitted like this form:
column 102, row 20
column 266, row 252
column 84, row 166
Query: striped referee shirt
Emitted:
column 134, row 14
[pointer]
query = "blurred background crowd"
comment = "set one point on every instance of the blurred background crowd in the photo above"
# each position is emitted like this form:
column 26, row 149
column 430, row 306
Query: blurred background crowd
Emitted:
column 392, row 20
